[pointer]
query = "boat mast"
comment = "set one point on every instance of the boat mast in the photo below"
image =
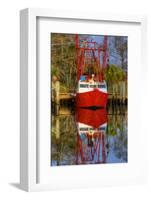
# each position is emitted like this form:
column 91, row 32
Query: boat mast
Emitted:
column 90, row 53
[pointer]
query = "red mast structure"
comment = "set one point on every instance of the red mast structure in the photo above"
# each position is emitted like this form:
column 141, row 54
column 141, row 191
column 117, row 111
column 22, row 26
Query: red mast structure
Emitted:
column 89, row 53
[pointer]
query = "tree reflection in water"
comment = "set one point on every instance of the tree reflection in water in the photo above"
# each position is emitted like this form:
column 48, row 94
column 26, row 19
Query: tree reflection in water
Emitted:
column 71, row 145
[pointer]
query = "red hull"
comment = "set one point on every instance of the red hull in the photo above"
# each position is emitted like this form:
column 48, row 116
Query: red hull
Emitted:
column 94, row 118
column 91, row 98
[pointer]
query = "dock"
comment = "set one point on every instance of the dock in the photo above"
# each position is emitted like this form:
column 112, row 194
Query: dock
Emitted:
column 117, row 96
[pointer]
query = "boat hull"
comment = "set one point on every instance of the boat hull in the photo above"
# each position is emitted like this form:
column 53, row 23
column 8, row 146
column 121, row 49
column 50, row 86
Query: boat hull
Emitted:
column 95, row 98
column 91, row 118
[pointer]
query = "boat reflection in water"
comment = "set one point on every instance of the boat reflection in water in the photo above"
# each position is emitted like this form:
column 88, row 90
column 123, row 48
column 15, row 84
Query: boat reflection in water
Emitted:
column 91, row 125
column 88, row 137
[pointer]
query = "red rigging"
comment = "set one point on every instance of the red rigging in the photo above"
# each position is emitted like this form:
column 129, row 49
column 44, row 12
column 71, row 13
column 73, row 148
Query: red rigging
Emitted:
column 91, row 62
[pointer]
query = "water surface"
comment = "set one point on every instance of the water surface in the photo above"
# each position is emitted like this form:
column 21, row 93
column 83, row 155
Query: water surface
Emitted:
column 87, row 136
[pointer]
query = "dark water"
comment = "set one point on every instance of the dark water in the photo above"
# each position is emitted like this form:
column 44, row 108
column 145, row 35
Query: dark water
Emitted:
column 89, row 136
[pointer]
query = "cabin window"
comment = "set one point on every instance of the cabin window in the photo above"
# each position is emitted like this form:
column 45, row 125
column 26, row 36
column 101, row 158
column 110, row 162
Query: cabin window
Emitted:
column 84, row 85
column 93, row 86
column 101, row 86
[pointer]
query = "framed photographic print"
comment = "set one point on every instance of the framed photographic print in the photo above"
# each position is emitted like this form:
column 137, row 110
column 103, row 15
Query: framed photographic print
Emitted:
column 82, row 79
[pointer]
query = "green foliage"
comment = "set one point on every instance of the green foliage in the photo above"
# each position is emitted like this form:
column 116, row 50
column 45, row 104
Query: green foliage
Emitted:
column 63, row 88
column 113, row 74
column 63, row 55
column 111, row 130
column 55, row 71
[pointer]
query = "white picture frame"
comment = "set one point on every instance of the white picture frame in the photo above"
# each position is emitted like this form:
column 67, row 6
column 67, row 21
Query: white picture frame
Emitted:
column 28, row 92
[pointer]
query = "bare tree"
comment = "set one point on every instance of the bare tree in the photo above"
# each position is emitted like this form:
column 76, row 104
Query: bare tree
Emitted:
column 121, row 49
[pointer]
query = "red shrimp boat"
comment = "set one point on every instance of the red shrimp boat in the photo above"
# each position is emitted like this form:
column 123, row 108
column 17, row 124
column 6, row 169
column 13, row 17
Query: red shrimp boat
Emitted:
column 92, row 95
column 91, row 62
